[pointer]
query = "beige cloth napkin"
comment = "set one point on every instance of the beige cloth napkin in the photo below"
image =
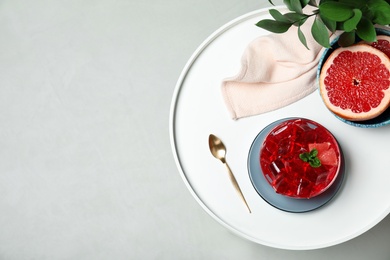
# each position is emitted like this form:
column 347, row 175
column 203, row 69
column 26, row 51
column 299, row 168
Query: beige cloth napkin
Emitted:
column 276, row 70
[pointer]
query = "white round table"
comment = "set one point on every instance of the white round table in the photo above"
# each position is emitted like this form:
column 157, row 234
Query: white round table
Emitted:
column 198, row 110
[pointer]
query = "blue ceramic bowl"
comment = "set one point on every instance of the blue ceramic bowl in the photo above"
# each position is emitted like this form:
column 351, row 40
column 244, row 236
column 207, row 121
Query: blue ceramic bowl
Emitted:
column 381, row 120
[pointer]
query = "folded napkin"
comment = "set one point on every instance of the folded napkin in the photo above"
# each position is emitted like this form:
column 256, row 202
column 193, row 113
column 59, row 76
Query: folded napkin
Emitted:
column 276, row 70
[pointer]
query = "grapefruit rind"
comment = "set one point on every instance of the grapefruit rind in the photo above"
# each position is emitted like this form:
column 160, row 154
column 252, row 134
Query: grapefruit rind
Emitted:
column 347, row 113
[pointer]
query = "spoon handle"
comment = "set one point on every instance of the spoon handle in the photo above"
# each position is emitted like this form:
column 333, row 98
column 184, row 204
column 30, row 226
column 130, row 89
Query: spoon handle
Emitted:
column 236, row 186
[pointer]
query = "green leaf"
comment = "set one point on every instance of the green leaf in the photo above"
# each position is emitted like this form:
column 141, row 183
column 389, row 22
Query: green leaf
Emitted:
column 295, row 17
column 302, row 37
column 311, row 158
column 315, row 162
column 278, row 16
column 304, row 157
column 296, row 6
column 366, row 30
column 313, row 153
column 312, row 3
column 330, row 24
column 320, row 33
column 274, row 26
column 379, row 11
column 270, row 2
column 346, row 39
column 351, row 23
column 354, row 3
column 336, row 11
column 304, row 3
column 339, row 26
column 302, row 21
column 287, row 3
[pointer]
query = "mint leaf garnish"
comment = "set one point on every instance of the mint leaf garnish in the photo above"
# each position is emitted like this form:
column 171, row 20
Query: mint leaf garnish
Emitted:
column 315, row 162
column 311, row 158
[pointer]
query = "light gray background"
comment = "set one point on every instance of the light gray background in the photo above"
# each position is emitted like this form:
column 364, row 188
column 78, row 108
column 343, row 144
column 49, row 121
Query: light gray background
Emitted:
column 86, row 168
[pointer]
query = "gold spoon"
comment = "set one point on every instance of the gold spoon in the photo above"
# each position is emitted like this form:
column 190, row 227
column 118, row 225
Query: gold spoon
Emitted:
column 218, row 150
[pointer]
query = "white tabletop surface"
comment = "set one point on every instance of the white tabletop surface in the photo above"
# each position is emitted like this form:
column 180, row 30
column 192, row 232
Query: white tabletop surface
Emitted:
column 86, row 168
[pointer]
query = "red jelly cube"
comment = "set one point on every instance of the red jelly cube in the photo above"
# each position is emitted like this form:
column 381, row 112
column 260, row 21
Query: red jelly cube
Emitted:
column 300, row 158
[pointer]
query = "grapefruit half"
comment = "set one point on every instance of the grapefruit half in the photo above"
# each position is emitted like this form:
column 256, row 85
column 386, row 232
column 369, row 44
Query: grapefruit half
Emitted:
column 355, row 82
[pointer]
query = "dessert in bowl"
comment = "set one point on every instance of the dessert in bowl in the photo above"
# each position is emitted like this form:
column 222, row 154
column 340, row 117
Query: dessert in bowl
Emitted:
column 300, row 158
column 280, row 201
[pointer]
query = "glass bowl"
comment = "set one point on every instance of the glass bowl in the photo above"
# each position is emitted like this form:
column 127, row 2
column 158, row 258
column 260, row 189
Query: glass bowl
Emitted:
column 279, row 201
column 300, row 158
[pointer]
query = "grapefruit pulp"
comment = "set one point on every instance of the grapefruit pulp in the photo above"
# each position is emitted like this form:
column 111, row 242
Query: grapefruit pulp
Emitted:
column 382, row 44
column 355, row 82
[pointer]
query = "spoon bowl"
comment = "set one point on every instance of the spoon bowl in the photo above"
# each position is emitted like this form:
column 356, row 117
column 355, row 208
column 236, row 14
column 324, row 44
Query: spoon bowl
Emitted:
column 217, row 148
